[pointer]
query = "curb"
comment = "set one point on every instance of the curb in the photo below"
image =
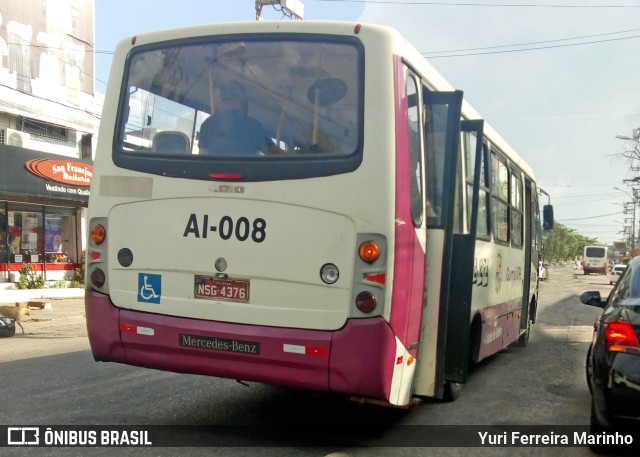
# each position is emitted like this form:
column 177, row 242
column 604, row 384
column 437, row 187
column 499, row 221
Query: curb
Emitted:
column 8, row 296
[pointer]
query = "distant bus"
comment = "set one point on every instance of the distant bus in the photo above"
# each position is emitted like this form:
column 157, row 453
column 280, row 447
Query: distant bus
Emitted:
column 368, row 235
column 595, row 260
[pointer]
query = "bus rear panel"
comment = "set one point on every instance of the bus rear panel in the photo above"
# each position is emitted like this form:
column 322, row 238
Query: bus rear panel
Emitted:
column 261, row 262
column 595, row 260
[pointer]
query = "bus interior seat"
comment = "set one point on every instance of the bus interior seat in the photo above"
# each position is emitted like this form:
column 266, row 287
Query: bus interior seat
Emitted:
column 171, row 143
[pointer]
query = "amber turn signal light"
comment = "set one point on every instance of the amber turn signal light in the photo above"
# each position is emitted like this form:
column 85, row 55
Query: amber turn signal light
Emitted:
column 369, row 251
column 98, row 233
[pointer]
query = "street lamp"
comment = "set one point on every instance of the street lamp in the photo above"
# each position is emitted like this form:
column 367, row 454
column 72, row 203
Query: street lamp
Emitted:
column 635, row 136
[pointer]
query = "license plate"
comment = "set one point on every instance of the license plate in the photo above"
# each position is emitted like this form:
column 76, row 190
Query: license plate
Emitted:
column 211, row 288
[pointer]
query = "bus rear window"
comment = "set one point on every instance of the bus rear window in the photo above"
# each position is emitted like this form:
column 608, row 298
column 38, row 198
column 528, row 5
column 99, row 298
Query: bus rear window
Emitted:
column 595, row 252
column 251, row 101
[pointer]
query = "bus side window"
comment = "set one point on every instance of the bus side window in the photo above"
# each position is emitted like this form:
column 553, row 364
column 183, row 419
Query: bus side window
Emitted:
column 500, row 198
column 415, row 151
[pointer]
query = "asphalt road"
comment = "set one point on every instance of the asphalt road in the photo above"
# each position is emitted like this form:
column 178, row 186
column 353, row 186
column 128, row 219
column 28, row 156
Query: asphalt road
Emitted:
column 51, row 378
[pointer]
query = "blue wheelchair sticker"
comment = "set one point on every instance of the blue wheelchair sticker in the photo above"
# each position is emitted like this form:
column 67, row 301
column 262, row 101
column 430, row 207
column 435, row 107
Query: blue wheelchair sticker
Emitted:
column 149, row 287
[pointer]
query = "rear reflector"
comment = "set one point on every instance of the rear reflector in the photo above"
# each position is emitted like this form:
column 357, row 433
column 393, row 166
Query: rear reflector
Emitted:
column 380, row 278
column 305, row 350
column 95, row 255
column 128, row 328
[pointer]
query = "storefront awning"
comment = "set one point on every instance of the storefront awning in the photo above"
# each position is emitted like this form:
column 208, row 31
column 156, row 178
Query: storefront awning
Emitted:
column 37, row 174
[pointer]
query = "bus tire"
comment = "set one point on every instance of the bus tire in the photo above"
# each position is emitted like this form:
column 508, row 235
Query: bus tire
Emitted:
column 475, row 336
column 523, row 341
column 451, row 391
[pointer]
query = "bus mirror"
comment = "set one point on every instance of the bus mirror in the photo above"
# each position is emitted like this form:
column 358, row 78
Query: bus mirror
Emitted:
column 547, row 217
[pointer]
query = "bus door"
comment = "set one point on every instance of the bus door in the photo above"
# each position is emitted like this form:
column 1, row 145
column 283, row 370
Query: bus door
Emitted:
column 530, row 255
column 441, row 127
column 459, row 266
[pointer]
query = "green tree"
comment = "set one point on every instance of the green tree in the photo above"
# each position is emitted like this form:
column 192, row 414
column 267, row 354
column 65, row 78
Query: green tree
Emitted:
column 562, row 243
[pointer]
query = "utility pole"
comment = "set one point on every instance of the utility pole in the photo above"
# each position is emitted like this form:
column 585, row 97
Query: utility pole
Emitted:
column 293, row 9
column 630, row 209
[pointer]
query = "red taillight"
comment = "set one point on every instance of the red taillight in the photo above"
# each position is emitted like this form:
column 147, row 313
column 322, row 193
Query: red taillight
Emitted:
column 226, row 176
column 366, row 302
column 98, row 278
column 619, row 335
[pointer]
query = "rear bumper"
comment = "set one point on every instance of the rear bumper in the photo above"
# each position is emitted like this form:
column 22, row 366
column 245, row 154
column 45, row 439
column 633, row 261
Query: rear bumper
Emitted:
column 358, row 359
column 616, row 399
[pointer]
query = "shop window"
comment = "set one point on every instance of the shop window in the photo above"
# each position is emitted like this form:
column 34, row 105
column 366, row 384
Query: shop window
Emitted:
column 3, row 236
column 59, row 235
column 31, row 235
column 24, row 232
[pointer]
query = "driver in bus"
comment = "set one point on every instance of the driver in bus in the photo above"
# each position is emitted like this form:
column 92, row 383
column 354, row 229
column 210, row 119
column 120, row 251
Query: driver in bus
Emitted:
column 231, row 131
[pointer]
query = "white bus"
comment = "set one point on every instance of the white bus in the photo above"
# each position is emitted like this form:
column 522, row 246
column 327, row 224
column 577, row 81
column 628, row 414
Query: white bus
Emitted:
column 595, row 259
column 306, row 204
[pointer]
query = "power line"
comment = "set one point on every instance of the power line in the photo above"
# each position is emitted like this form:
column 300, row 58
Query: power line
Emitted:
column 566, row 45
column 537, row 42
column 477, row 4
column 591, row 217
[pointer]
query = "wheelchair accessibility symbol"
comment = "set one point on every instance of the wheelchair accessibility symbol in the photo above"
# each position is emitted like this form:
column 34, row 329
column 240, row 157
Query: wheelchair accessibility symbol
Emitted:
column 149, row 287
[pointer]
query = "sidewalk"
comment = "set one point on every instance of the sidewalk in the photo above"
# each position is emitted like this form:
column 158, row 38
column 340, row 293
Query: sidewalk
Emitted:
column 59, row 327
column 47, row 305
column 8, row 296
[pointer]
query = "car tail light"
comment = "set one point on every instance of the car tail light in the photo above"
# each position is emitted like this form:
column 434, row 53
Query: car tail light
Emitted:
column 620, row 337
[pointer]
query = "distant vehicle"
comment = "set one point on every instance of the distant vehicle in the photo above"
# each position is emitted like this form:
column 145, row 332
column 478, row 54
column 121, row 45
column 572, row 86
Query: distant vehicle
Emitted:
column 613, row 359
column 616, row 272
column 595, row 260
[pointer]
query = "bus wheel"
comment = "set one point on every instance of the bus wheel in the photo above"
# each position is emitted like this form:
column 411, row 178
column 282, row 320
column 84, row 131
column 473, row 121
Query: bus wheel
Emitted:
column 451, row 391
column 523, row 341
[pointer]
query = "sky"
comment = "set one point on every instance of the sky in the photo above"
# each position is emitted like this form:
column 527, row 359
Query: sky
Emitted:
column 558, row 79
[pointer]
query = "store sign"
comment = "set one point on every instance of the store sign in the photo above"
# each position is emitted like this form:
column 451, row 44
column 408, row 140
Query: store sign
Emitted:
column 61, row 171
column 37, row 174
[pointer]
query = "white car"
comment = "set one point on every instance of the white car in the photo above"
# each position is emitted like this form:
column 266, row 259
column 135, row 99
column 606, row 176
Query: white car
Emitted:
column 616, row 272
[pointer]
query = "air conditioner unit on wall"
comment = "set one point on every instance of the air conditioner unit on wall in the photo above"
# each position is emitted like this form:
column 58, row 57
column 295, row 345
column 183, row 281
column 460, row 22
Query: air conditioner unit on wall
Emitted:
column 14, row 138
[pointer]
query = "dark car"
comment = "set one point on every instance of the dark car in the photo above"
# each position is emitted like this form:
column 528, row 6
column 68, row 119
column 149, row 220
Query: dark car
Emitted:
column 7, row 326
column 613, row 359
